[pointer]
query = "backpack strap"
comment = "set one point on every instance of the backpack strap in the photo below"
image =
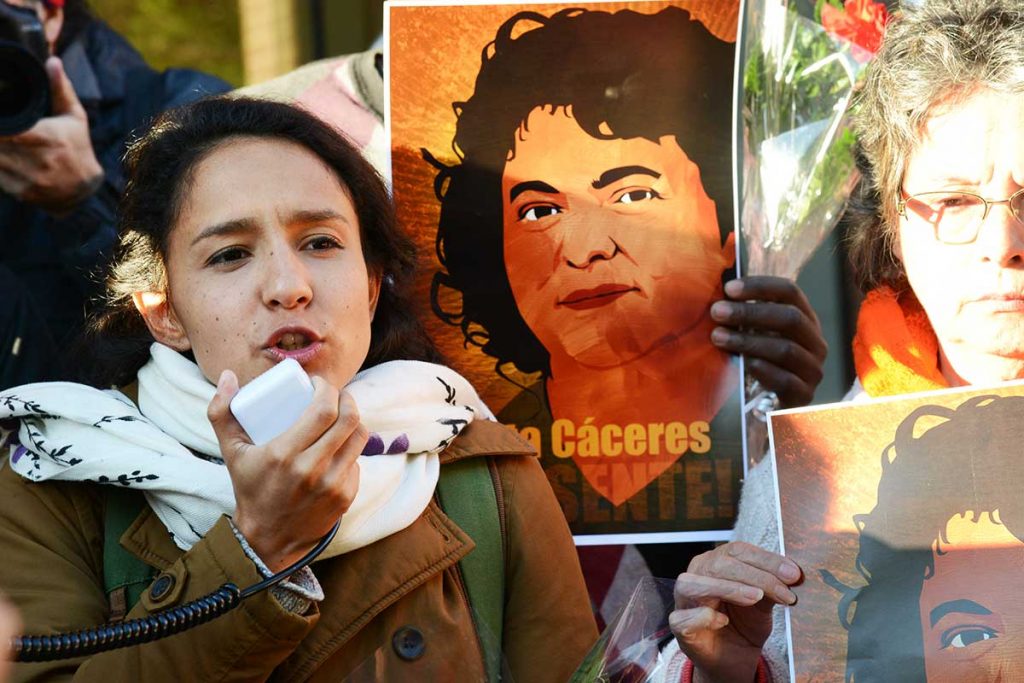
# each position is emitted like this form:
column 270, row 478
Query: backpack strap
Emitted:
column 469, row 495
column 124, row 575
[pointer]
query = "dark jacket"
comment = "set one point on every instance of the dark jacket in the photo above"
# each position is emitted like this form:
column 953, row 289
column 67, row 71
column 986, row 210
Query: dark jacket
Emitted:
column 52, row 540
column 47, row 263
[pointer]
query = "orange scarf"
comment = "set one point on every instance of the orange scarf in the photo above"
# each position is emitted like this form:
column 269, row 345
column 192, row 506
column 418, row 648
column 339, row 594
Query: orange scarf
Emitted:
column 895, row 349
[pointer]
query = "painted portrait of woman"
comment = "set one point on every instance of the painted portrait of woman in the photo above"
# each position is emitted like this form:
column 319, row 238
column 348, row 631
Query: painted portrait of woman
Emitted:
column 587, row 229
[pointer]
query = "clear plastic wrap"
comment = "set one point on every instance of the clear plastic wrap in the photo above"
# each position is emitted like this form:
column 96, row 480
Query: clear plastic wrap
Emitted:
column 798, row 160
column 798, row 165
column 630, row 650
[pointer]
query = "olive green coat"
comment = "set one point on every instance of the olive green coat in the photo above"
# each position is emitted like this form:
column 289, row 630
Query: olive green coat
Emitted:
column 51, row 536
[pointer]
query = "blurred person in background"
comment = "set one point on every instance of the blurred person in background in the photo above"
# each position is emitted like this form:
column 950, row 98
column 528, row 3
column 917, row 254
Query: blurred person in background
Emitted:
column 60, row 182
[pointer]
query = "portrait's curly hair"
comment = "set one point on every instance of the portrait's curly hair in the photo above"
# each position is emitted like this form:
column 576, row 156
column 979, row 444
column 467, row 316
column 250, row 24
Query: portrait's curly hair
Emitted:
column 970, row 462
column 625, row 75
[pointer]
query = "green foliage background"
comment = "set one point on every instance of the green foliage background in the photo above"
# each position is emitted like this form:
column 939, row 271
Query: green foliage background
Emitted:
column 199, row 34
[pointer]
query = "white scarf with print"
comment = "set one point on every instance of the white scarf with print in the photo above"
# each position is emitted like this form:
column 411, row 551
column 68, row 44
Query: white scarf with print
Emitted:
column 73, row 432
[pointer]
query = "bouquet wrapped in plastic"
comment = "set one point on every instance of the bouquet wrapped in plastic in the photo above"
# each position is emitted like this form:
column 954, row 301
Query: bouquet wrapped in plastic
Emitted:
column 630, row 648
column 798, row 160
column 798, row 166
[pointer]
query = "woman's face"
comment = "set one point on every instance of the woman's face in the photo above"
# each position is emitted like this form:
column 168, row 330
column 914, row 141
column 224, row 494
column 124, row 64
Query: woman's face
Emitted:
column 973, row 293
column 611, row 246
column 972, row 609
column 265, row 263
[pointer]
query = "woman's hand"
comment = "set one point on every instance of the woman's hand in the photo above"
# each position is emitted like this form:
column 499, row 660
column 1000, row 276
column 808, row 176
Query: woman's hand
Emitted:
column 724, row 607
column 290, row 491
column 770, row 321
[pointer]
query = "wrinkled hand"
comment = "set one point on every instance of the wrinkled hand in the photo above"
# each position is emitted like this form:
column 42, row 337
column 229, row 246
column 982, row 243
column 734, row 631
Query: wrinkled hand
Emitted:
column 52, row 165
column 769, row 320
column 724, row 604
column 290, row 491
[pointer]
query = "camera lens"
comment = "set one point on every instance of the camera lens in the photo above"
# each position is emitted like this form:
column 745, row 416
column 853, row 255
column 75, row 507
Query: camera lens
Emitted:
column 24, row 89
column 14, row 93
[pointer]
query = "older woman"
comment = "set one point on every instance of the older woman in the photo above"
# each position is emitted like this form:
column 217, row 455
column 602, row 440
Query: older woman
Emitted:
column 253, row 233
column 940, row 242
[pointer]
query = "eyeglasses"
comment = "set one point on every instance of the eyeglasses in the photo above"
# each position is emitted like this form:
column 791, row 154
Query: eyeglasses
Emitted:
column 957, row 217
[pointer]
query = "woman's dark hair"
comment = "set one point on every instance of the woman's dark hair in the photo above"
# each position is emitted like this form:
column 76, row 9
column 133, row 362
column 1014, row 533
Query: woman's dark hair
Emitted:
column 160, row 167
column 625, row 75
column 969, row 462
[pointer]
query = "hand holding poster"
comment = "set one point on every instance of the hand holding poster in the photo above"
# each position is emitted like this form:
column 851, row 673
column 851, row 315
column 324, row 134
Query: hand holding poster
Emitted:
column 906, row 516
column 570, row 167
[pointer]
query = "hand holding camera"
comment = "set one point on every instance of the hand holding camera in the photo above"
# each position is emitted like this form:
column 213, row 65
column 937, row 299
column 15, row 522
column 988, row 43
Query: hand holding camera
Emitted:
column 46, row 154
column 52, row 165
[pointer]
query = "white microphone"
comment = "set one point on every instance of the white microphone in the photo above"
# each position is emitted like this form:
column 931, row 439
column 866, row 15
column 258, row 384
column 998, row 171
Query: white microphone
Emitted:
column 270, row 404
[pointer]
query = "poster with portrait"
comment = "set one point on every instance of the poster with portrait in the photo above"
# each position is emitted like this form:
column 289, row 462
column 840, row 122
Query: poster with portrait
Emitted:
column 565, row 169
column 907, row 518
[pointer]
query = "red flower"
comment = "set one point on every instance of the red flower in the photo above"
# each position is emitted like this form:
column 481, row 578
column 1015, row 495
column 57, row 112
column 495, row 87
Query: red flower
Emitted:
column 862, row 22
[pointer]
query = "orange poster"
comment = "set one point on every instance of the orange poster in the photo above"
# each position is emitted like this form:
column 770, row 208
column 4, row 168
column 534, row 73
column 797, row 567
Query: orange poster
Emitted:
column 907, row 518
column 567, row 170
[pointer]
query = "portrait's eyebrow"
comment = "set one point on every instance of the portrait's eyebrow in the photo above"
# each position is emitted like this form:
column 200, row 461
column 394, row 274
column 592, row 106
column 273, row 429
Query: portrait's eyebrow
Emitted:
column 958, row 606
column 613, row 174
column 234, row 227
column 535, row 185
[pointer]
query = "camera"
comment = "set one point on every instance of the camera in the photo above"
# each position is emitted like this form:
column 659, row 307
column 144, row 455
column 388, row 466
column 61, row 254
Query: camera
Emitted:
column 24, row 85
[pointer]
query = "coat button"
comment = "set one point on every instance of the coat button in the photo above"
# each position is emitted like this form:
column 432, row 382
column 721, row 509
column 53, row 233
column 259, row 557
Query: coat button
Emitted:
column 408, row 643
column 161, row 587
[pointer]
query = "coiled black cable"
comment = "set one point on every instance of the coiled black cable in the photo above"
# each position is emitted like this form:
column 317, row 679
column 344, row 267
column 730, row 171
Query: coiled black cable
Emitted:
column 155, row 626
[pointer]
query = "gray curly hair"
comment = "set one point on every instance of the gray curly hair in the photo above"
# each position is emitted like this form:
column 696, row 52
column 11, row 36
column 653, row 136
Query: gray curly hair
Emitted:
column 935, row 54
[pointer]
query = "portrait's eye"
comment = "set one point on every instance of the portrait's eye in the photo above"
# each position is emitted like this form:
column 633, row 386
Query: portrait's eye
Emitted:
column 229, row 255
column 538, row 211
column 321, row 243
column 966, row 636
column 633, row 196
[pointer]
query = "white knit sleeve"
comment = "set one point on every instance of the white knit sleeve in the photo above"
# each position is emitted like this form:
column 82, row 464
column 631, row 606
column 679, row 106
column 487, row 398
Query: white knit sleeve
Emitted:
column 758, row 525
